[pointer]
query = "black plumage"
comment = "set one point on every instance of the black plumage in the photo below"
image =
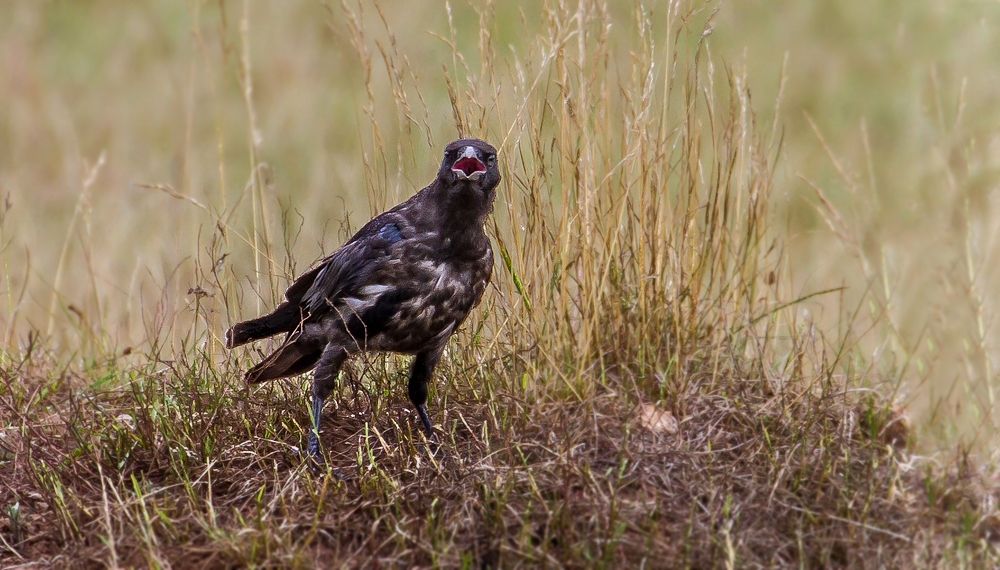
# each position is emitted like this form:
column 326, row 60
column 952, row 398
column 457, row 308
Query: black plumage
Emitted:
column 404, row 283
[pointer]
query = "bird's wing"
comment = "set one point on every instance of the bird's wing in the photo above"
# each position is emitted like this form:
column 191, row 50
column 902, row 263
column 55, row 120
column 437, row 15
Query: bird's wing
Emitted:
column 317, row 290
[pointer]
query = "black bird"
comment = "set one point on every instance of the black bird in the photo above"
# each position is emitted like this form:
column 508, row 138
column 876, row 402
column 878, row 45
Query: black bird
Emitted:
column 404, row 283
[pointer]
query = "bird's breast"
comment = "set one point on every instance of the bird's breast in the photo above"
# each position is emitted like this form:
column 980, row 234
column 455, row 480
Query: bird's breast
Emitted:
column 443, row 293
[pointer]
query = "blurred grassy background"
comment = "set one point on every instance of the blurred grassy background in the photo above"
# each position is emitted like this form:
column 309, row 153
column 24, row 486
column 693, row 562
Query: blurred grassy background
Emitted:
column 888, row 109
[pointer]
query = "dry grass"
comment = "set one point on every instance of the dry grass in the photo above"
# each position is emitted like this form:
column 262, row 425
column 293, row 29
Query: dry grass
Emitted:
column 182, row 471
column 640, row 388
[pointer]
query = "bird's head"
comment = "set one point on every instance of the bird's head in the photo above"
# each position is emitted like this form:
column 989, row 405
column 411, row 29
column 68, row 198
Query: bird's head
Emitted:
column 471, row 164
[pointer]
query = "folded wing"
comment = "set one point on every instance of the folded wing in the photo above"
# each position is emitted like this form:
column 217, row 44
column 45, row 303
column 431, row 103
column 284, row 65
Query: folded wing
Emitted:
column 321, row 289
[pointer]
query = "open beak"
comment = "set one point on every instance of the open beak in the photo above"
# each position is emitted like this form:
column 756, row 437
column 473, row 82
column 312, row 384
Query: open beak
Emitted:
column 468, row 166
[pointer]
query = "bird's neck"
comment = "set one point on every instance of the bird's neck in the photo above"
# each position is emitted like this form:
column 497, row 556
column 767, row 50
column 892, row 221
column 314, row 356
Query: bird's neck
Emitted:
column 459, row 210
column 456, row 218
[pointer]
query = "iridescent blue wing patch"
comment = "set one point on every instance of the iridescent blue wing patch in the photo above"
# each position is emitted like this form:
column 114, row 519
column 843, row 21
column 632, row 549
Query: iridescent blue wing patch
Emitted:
column 390, row 233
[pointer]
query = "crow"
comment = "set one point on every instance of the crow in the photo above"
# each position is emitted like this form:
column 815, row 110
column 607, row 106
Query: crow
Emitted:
column 404, row 283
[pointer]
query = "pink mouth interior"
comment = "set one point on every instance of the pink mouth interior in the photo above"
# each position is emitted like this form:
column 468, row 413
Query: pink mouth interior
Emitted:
column 469, row 165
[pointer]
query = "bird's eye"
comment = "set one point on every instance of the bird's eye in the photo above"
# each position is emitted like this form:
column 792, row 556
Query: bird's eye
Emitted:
column 491, row 158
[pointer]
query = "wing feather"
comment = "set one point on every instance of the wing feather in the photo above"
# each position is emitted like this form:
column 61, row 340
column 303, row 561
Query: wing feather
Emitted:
column 348, row 268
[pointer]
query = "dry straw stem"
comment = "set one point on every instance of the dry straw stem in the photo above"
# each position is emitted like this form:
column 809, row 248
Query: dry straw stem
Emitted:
column 639, row 270
column 260, row 216
column 81, row 210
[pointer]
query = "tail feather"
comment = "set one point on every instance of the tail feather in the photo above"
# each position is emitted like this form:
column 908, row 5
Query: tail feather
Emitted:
column 290, row 359
column 284, row 319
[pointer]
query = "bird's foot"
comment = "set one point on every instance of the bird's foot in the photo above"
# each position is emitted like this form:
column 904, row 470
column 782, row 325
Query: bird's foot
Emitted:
column 314, row 456
column 430, row 446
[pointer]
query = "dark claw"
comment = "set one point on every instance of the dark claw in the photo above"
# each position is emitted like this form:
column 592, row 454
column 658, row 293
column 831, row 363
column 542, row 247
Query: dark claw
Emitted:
column 312, row 453
column 315, row 458
column 432, row 444
column 431, row 448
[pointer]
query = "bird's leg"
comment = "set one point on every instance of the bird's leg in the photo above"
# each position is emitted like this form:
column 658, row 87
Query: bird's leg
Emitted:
column 420, row 374
column 324, row 380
